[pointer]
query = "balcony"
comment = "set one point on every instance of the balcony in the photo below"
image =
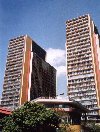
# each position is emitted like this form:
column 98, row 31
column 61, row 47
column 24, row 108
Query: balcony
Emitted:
column 85, row 99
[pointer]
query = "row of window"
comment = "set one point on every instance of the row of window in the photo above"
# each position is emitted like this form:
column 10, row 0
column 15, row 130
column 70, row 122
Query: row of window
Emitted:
column 82, row 72
column 81, row 79
column 78, row 25
column 78, row 40
column 79, row 19
column 77, row 33
column 79, row 59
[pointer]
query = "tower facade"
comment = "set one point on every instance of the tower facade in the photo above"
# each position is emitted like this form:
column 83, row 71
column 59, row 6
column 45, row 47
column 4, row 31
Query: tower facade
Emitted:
column 83, row 62
column 27, row 75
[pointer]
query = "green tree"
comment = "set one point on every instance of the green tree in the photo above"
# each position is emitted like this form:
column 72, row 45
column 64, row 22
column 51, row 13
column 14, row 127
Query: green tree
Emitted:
column 93, row 126
column 31, row 117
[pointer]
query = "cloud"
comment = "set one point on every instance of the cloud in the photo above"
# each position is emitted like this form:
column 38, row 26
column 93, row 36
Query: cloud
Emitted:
column 61, row 70
column 57, row 58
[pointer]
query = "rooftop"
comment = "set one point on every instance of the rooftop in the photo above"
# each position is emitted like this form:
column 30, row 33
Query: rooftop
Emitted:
column 57, row 100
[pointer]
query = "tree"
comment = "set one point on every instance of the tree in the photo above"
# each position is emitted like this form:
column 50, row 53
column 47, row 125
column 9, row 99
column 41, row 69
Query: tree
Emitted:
column 93, row 126
column 31, row 117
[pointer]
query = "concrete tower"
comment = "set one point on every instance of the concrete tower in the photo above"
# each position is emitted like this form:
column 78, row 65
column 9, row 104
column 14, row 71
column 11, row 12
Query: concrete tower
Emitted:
column 27, row 74
column 83, row 62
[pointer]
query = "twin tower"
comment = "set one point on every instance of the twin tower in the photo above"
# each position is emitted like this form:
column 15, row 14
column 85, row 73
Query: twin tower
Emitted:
column 29, row 76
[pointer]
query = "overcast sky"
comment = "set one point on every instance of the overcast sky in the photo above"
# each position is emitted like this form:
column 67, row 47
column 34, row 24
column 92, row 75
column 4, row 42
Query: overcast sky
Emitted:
column 44, row 21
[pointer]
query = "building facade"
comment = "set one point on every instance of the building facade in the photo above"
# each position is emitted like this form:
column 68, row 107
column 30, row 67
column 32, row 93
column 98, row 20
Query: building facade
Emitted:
column 27, row 74
column 83, row 62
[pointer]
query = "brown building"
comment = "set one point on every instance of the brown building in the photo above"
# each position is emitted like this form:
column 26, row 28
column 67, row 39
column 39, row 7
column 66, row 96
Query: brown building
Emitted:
column 27, row 74
column 83, row 62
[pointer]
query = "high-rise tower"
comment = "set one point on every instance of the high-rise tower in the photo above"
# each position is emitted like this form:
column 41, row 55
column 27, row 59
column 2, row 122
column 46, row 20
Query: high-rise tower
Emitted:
column 27, row 74
column 83, row 62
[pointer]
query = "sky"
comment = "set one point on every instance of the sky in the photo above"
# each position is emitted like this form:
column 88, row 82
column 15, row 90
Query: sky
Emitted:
column 45, row 22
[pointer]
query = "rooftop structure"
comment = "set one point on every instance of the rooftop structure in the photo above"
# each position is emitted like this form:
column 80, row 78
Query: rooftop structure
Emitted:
column 4, row 111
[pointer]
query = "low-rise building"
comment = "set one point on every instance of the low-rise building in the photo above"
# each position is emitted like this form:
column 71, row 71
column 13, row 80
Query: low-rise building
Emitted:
column 4, row 112
column 70, row 111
